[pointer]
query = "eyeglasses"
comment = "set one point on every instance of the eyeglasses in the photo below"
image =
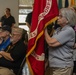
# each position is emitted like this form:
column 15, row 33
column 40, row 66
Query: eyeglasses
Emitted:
column 60, row 16
column 14, row 34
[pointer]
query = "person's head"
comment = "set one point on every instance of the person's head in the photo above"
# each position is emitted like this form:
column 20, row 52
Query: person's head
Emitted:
column 66, row 17
column 29, row 19
column 5, row 32
column 16, row 34
column 7, row 11
column 6, row 28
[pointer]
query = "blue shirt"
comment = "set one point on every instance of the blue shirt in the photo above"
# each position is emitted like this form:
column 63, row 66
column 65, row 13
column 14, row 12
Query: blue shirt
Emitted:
column 5, row 44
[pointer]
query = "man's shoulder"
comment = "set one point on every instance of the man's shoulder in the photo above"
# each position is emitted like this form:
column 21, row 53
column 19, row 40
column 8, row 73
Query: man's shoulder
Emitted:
column 3, row 16
column 11, row 16
column 29, row 14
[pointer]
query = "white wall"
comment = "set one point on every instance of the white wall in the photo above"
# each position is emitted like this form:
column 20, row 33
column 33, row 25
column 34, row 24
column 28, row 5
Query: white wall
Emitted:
column 13, row 5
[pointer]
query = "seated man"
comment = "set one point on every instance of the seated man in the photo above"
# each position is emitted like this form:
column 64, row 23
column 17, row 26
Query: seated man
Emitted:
column 12, row 57
column 5, row 37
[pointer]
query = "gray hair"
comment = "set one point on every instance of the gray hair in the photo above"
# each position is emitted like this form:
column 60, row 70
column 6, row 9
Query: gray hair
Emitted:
column 70, row 15
column 17, row 30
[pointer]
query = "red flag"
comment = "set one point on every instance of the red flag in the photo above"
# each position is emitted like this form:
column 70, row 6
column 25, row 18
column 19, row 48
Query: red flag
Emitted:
column 44, row 12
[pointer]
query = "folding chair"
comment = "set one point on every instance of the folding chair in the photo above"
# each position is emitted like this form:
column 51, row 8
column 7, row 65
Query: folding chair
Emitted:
column 21, row 67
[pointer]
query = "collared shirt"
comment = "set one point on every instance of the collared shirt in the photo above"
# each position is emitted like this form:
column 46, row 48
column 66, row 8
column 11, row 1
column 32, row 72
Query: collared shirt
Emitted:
column 5, row 44
column 7, row 21
column 62, row 56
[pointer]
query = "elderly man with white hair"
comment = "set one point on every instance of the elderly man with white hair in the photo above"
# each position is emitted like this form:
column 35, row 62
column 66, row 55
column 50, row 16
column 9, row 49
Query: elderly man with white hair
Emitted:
column 11, row 58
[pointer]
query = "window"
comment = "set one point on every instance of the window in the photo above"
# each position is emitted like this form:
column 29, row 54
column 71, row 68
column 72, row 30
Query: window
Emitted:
column 23, row 13
column 25, row 6
column 25, row 27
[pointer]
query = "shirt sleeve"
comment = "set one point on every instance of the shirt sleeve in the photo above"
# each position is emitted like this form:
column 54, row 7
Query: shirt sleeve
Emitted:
column 13, row 20
column 1, row 19
column 64, row 36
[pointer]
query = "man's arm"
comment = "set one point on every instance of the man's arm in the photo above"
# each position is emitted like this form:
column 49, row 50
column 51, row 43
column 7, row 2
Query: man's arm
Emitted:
column 6, row 55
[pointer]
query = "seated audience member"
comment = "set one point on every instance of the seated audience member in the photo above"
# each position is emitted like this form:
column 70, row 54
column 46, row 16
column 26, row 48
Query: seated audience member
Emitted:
column 11, row 58
column 25, row 39
column 28, row 23
column 7, row 18
column 5, row 36
column 1, row 39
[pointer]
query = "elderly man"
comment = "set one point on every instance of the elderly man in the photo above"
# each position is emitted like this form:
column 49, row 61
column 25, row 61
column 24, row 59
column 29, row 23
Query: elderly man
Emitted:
column 5, row 32
column 11, row 58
